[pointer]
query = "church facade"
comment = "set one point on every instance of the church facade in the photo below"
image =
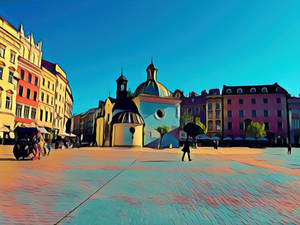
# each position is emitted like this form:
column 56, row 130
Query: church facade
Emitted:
column 132, row 121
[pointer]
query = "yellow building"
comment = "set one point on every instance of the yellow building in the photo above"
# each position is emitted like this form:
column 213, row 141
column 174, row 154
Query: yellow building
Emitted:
column 59, row 120
column 10, row 46
column 45, row 113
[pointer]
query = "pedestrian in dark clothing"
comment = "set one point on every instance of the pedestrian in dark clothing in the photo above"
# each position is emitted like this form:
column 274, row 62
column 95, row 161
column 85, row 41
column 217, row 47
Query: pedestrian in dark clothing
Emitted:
column 186, row 149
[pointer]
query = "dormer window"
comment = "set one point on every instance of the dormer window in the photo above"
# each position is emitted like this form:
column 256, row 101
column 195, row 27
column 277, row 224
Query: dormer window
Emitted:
column 278, row 89
column 229, row 91
column 239, row 91
column 264, row 90
column 253, row 90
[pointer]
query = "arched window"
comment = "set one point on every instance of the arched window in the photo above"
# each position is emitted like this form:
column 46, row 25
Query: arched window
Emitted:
column 264, row 90
column 278, row 89
column 228, row 91
column 253, row 90
column 239, row 91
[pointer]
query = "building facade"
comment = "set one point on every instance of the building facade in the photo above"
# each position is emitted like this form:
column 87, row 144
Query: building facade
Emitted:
column 29, row 70
column 214, row 113
column 294, row 119
column 266, row 104
column 10, row 47
column 46, row 100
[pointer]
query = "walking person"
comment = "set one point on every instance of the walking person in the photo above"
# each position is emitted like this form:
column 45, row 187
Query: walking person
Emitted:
column 186, row 149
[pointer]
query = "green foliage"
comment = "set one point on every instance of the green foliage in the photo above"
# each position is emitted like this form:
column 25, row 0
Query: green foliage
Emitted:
column 185, row 116
column 256, row 130
column 162, row 130
column 202, row 126
column 130, row 93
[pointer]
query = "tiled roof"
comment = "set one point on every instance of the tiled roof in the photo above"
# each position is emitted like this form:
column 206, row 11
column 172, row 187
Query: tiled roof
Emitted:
column 253, row 89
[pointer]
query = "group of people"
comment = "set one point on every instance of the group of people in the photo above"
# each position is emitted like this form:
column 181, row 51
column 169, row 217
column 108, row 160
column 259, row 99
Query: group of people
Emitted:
column 38, row 147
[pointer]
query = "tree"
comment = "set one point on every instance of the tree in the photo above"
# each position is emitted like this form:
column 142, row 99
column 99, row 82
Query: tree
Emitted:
column 162, row 130
column 193, row 130
column 256, row 130
column 202, row 126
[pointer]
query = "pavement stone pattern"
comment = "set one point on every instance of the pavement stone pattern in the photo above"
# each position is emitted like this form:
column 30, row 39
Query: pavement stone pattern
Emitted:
column 125, row 186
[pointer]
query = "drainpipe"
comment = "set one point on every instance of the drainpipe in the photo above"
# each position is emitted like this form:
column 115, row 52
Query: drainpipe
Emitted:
column 288, row 125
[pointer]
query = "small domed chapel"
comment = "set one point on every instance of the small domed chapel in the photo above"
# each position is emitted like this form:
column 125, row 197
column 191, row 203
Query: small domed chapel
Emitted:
column 133, row 120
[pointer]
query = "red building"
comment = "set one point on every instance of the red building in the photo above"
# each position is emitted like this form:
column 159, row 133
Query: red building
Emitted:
column 265, row 104
column 27, row 93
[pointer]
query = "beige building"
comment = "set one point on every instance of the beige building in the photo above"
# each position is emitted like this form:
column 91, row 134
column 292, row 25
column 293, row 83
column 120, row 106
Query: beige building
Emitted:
column 10, row 46
column 214, row 113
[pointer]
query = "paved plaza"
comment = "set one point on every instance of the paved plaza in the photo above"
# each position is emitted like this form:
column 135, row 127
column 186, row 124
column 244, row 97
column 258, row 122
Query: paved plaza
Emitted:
column 134, row 186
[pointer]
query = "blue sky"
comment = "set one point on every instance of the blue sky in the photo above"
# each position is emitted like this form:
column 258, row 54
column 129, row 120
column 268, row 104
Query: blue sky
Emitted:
column 195, row 45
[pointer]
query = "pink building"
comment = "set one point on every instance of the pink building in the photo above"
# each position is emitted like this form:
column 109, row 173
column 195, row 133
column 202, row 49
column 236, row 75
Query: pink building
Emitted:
column 259, row 103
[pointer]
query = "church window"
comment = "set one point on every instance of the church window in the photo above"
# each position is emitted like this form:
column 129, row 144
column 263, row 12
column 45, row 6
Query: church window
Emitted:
column 160, row 114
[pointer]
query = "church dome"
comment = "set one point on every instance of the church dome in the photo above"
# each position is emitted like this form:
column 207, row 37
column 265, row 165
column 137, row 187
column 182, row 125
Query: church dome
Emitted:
column 152, row 86
column 127, row 117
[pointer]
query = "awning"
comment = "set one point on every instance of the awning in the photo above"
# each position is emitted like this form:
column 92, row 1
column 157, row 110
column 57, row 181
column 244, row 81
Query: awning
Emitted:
column 43, row 130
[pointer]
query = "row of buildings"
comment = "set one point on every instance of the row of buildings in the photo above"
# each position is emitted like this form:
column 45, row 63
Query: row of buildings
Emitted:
column 33, row 92
column 132, row 119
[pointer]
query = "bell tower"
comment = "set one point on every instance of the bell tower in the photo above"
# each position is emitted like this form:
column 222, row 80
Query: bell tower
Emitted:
column 121, row 87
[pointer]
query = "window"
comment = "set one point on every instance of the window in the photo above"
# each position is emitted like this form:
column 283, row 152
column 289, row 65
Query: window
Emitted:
column 241, row 125
column 46, row 116
column 12, row 57
column 21, row 90
column 1, row 73
column 36, row 81
column 2, row 51
column 241, row 113
column 22, row 74
column 241, row 101
column 253, row 101
column 28, row 93
column 29, row 78
column 10, row 77
column 264, row 90
column 229, row 113
column 51, row 100
column 265, row 101
column 267, row 126
column 278, row 100
column 217, row 106
column 55, row 96
column 218, row 125
column 47, row 99
column 266, row 113
column 26, row 112
column 159, row 114
column 279, row 125
column 8, row 102
column 42, row 96
column 33, row 113
column 41, row 115
column 253, row 90
column 52, row 87
column 19, row 110
column 210, row 125
column 253, row 113
column 50, row 116
column 229, row 101
column 190, row 110
column 278, row 89
column 229, row 91
column 210, row 115
column 278, row 113
column 239, row 91
column 48, row 84
column 229, row 125
column 209, row 107
column 34, row 95
column 218, row 114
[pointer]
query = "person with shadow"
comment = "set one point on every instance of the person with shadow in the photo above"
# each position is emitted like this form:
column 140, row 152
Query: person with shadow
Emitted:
column 186, row 149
